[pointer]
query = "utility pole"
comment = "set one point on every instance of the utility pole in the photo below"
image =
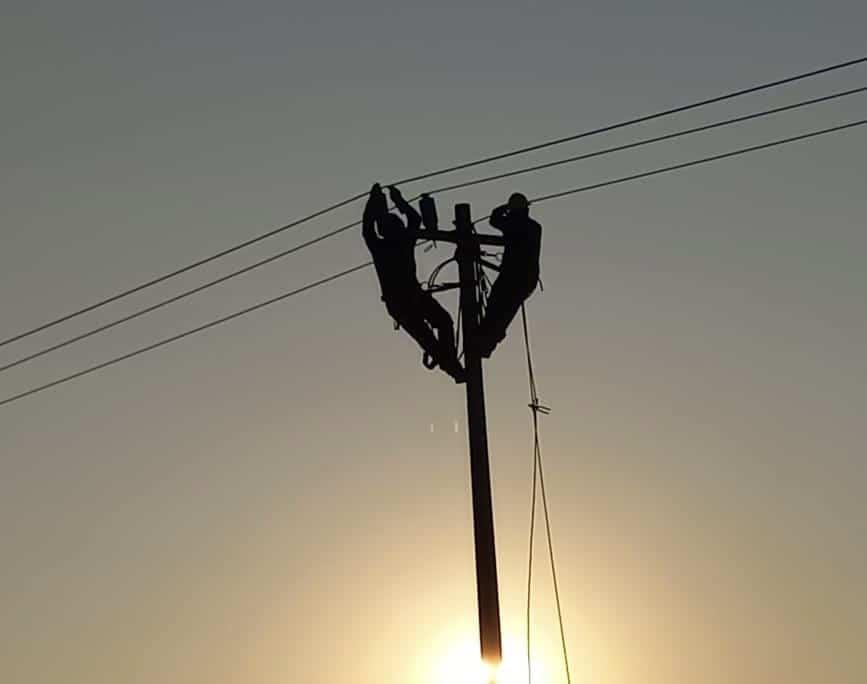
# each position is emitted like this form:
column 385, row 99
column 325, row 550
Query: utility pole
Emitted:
column 468, row 254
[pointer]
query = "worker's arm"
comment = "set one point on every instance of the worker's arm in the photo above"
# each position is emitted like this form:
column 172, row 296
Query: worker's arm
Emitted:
column 373, row 210
column 499, row 218
column 413, row 218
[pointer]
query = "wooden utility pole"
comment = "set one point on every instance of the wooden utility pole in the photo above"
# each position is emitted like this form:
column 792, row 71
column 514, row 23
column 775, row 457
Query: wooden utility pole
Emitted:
column 468, row 247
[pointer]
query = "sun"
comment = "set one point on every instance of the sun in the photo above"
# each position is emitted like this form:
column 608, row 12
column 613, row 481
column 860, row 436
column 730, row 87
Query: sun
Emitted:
column 459, row 663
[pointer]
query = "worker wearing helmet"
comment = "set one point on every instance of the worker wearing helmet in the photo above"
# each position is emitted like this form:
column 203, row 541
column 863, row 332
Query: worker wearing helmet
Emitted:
column 519, row 270
column 414, row 309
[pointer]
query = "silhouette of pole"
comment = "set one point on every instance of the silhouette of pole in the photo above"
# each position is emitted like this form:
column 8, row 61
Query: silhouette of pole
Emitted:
column 483, row 514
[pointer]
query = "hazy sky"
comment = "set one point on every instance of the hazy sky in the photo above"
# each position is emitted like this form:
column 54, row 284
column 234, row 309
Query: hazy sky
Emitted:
column 285, row 499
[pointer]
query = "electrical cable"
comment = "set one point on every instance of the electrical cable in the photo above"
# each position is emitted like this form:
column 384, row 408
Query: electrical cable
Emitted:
column 484, row 160
column 172, row 300
column 695, row 162
column 636, row 120
column 287, row 252
column 647, row 141
column 623, row 179
column 176, row 272
column 180, row 336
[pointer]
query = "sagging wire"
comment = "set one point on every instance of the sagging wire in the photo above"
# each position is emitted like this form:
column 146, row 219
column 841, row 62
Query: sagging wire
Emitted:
column 537, row 409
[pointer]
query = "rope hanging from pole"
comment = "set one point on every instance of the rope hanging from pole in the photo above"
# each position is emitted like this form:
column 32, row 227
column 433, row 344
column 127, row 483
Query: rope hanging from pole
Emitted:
column 537, row 409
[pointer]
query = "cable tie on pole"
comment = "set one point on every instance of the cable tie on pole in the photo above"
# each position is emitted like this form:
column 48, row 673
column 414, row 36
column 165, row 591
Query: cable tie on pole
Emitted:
column 536, row 407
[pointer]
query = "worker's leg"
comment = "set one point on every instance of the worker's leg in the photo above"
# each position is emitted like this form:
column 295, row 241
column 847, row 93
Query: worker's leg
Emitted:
column 421, row 332
column 441, row 321
column 496, row 318
column 406, row 312
column 410, row 312
column 505, row 301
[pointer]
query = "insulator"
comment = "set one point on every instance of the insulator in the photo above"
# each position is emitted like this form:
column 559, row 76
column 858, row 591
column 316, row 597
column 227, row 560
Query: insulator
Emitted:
column 429, row 212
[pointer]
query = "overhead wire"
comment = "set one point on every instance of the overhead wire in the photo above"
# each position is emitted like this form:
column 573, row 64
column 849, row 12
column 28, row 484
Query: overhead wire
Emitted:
column 430, row 174
column 636, row 120
column 180, row 336
column 648, row 141
column 694, row 162
column 282, row 254
column 585, row 188
column 172, row 300
column 179, row 271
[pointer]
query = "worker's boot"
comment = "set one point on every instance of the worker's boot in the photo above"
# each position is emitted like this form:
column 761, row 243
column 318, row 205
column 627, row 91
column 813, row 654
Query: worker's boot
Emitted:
column 484, row 345
column 455, row 370
column 450, row 364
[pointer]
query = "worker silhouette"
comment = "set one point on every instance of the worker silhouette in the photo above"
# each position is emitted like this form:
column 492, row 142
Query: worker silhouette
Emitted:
column 413, row 309
column 519, row 270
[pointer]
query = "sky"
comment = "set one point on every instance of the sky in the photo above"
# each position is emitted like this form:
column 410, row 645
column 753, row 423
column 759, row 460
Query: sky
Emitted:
column 285, row 498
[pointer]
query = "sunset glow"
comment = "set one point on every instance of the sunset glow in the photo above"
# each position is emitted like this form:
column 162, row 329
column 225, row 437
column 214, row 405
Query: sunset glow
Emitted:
column 344, row 342
column 460, row 663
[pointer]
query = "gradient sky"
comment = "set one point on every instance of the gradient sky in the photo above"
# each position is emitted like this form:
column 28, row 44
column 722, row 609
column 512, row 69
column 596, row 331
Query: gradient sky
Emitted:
column 285, row 499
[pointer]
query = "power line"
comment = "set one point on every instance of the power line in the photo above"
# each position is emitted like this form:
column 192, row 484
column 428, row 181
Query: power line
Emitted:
column 180, row 336
column 172, row 300
column 637, row 120
column 585, row 188
column 704, row 160
column 172, row 274
column 649, row 141
column 478, row 181
column 695, row 162
column 485, row 160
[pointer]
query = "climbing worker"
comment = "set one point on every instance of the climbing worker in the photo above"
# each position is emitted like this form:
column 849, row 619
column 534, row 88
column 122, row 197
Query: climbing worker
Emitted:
column 413, row 309
column 519, row 270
